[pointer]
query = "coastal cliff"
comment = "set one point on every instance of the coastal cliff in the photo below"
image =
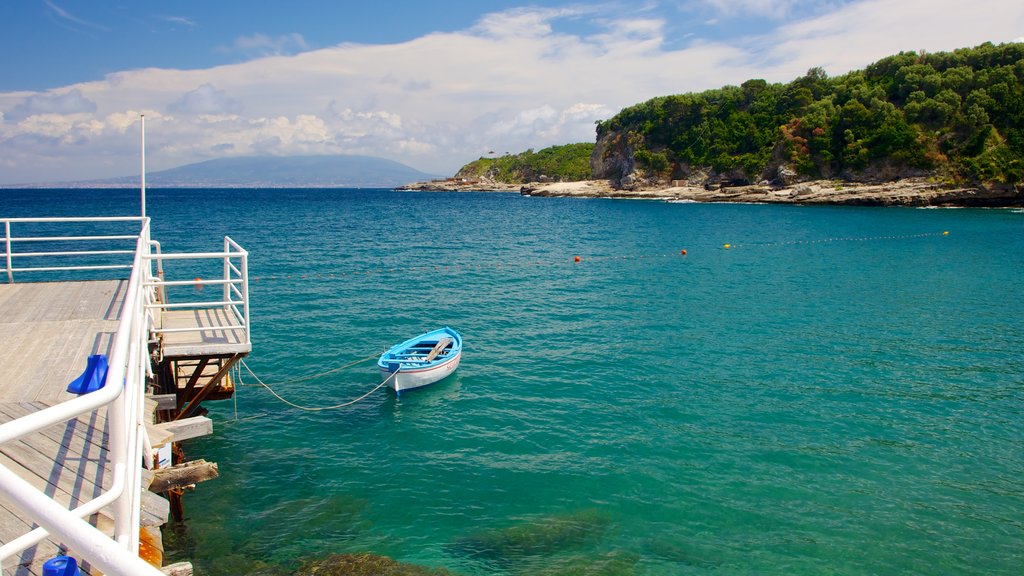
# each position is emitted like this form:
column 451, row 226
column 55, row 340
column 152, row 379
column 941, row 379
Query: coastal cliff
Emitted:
column 952, row 119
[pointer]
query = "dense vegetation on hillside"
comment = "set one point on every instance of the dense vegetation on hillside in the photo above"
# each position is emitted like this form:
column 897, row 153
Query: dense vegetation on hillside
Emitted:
column 557, row 163
column 956, row 115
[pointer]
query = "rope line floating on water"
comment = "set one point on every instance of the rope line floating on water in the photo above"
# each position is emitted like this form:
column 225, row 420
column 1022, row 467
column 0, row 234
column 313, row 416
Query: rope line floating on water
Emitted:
column 304, row 378
column 574, row 259
column 836, row 239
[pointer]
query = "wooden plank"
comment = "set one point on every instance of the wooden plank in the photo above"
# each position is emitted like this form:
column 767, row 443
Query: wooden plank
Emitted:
column 182, row 475
column 197, row 371
column 205, row 342
column 158, row 436
column 164, row 401
column 66, row 461
column 438, row 348
column 155, row 509
column 211, row 385
column 71, row 477
column 186, row 428
column 47, row 330
column 14, row 525
column 59, row 494
column 178, row 569
column 89, row 428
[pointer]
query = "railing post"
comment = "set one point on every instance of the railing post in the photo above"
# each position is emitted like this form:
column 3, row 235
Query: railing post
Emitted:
column 7, row 251
column 245, row 294
column 227, row 270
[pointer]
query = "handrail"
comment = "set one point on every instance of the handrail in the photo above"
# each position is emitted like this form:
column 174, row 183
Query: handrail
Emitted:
column 11, row 240
column 123, row 395
column 234, row 297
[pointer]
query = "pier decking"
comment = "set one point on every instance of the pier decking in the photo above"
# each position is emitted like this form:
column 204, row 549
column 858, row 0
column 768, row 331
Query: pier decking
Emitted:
column 47, row 332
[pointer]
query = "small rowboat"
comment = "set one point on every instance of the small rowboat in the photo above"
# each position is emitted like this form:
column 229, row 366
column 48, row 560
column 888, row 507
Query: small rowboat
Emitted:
column 422, row 360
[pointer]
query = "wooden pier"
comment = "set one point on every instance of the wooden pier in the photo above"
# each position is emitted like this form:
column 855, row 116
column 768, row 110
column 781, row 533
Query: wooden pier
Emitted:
column 47, row 332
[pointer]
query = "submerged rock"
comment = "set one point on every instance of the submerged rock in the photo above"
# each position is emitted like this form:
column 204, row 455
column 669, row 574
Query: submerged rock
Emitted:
column 365, row 565
column 609, row 564
column 544, row 536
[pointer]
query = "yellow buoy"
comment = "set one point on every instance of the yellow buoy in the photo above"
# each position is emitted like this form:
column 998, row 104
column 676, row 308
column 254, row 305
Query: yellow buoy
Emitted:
column 727, row 246
column 946, row 233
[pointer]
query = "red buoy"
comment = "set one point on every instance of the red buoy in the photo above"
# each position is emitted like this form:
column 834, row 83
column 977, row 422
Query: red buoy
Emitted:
column 576, row 259
column 683, row 252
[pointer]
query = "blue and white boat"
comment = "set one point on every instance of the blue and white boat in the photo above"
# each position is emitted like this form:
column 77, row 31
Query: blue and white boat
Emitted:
column 422, row 360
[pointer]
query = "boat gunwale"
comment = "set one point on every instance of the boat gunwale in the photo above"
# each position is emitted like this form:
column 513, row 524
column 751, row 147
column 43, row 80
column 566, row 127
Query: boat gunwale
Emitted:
column 451, row 354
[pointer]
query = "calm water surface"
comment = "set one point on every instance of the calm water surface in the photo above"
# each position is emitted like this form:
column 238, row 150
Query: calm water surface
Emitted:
column 840, row 392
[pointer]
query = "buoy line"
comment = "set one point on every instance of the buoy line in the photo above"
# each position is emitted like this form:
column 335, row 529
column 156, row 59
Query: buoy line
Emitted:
column 543, row 262
column 304, row 378
column 837, row 239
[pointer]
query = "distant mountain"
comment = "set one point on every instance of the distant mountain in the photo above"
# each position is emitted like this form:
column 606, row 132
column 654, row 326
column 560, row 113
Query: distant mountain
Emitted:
column 341, row 171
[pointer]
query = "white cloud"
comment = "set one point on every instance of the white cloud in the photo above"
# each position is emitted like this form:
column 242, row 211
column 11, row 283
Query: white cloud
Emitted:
column 859, row 33
column 205, row 100
column 521, row 22
column 188, row 22
column 774, row 9
column 259, row 45
column 69, row 18
column 70, row 102
column 514, row 81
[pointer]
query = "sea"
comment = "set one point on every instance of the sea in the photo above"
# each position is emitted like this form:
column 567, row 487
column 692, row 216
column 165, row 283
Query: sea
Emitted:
column 647, row 388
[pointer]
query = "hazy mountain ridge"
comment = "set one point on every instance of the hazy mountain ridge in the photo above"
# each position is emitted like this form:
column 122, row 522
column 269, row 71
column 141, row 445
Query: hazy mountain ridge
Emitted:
column 339, row 171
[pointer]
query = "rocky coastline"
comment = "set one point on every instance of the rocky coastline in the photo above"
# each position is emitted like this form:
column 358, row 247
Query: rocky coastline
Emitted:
column 904, row 192
column 461, row 185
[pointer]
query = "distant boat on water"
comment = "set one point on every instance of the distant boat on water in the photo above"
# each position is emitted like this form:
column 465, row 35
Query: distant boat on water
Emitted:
column 422, row 360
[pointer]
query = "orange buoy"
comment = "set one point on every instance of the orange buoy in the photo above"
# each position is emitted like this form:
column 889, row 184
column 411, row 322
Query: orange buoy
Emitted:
column 576, row 259
column 683, row 252
column 198, row 279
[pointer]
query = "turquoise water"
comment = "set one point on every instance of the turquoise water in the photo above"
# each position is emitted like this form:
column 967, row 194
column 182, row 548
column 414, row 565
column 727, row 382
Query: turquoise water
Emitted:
column 840, row 392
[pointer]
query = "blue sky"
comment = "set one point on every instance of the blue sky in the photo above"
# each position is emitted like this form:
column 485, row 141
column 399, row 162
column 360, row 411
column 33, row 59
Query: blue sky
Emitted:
column 433, row 85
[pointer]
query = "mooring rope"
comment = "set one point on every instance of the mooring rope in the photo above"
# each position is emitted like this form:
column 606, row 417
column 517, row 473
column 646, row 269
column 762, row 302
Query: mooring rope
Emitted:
column 317, row 408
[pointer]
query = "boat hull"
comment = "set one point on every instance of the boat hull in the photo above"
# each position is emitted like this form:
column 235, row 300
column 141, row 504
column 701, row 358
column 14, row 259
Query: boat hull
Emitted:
column 422, row 360
column 409, row 379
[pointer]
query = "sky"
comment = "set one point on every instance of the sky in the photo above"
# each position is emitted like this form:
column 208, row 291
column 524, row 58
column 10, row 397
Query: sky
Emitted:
column 433, row 85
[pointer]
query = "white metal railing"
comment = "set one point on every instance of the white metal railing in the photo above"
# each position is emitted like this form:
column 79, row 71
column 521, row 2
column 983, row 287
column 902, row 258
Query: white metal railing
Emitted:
column 85, row 259
column 123, row 395
column 234, row 295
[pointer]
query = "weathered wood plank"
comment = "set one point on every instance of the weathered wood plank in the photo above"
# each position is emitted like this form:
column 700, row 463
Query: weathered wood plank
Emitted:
column 47, row 330
column 89, row 428
column 164, row 401
column 205, row 342
column 69, row 478
column 155, row 509
column 185, row 429
column 178, row 569
column 182, row 475
column 158, row 436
